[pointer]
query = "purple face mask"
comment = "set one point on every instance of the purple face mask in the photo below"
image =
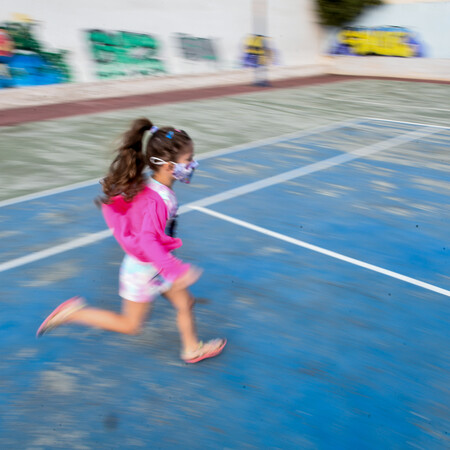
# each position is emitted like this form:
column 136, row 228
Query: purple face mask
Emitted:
column 183, row 172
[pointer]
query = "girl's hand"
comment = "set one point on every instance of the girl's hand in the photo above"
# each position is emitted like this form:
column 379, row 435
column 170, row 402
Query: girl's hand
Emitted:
column 188, row 279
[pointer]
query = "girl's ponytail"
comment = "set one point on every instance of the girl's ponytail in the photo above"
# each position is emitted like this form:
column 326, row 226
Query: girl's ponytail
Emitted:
column 125, row 176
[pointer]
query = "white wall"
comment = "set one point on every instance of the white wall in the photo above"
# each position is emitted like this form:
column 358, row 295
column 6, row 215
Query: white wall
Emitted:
column 291, row 24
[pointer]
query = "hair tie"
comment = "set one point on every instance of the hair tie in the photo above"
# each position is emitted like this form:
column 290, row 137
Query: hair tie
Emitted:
column 169, row 135
column 146, row 137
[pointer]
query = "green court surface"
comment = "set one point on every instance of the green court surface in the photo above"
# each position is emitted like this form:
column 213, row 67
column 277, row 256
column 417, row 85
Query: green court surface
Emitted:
column 41, row 155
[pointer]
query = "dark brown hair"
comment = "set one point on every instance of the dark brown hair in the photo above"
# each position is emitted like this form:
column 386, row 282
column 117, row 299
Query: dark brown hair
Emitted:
column 126, row 173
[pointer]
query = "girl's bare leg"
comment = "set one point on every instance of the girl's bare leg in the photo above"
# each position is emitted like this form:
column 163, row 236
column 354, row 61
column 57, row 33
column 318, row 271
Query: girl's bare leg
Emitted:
column 129, row 321
column 183, row 302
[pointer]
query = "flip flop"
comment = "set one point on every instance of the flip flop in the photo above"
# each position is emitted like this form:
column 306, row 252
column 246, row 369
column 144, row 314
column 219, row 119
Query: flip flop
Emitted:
column 59, row 315
column 208, row 350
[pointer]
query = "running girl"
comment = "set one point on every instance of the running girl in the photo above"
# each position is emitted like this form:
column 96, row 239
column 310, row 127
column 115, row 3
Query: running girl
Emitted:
column 142, row 217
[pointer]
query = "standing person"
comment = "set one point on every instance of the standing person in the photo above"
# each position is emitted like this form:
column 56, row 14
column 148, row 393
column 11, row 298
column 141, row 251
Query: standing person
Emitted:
column 142, row 217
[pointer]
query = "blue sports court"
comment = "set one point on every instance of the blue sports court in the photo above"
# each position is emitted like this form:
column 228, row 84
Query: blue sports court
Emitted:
column 326, row 257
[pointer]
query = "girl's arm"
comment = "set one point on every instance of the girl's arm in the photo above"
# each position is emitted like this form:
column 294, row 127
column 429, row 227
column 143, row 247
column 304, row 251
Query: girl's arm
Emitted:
column 151, row 242
column 169, row 267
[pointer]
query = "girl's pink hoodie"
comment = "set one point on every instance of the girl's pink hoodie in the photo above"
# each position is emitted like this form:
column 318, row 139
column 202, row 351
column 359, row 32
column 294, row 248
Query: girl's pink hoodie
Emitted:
column 139, row 228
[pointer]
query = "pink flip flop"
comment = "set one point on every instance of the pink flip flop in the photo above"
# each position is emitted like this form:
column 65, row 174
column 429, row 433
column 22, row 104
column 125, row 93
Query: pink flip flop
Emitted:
column 59, row 315
column 208, row 350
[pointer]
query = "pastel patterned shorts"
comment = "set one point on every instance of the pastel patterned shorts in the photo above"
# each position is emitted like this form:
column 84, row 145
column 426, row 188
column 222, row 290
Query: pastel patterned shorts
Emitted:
column 140, row 282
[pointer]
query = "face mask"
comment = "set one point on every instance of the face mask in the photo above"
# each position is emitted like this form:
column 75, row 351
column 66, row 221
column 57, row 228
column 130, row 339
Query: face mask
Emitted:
column 183, row 172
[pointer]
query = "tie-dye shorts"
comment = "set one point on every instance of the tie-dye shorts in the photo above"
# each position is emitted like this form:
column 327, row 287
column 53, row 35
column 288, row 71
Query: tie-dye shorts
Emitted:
column 140, row 282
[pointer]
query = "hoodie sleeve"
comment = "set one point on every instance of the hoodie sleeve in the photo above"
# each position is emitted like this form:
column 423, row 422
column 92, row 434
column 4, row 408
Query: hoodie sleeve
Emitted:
column 156, row 245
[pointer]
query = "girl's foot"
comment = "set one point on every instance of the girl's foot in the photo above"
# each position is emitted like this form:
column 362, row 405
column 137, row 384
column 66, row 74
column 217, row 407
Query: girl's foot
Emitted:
column 205, row 350
column 60, row 315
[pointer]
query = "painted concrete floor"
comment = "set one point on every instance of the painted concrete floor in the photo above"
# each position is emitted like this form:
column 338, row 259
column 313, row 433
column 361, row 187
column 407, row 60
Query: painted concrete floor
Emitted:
column 330, row 280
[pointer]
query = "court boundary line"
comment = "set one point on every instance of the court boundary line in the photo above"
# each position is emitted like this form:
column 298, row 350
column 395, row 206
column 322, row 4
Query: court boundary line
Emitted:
column 56, row 250
column 314, row 167
column 219, row 152
column 232, row 193
column 346, row 98
column 322, row 250
column 201, row 156
column 405, row 122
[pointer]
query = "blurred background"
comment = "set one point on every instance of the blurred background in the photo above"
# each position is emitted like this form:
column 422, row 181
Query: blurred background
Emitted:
column 49, row 42
column 54, row 54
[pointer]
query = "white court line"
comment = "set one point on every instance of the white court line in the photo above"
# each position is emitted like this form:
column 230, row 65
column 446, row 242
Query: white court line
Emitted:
column 323, row 251
column 47, row 192
column 245, row 189
column 311, row 168
column 278, row 139
column 389, row 106
column 406, row 123
column 199, row 157
column 56, row 250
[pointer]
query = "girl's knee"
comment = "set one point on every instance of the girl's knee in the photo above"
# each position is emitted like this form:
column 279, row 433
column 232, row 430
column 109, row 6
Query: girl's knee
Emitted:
column 191, row 302
column 187, row 304
column 133, row 328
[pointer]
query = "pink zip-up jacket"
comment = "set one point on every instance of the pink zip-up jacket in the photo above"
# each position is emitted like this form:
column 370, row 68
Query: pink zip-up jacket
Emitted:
column 139, row 228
